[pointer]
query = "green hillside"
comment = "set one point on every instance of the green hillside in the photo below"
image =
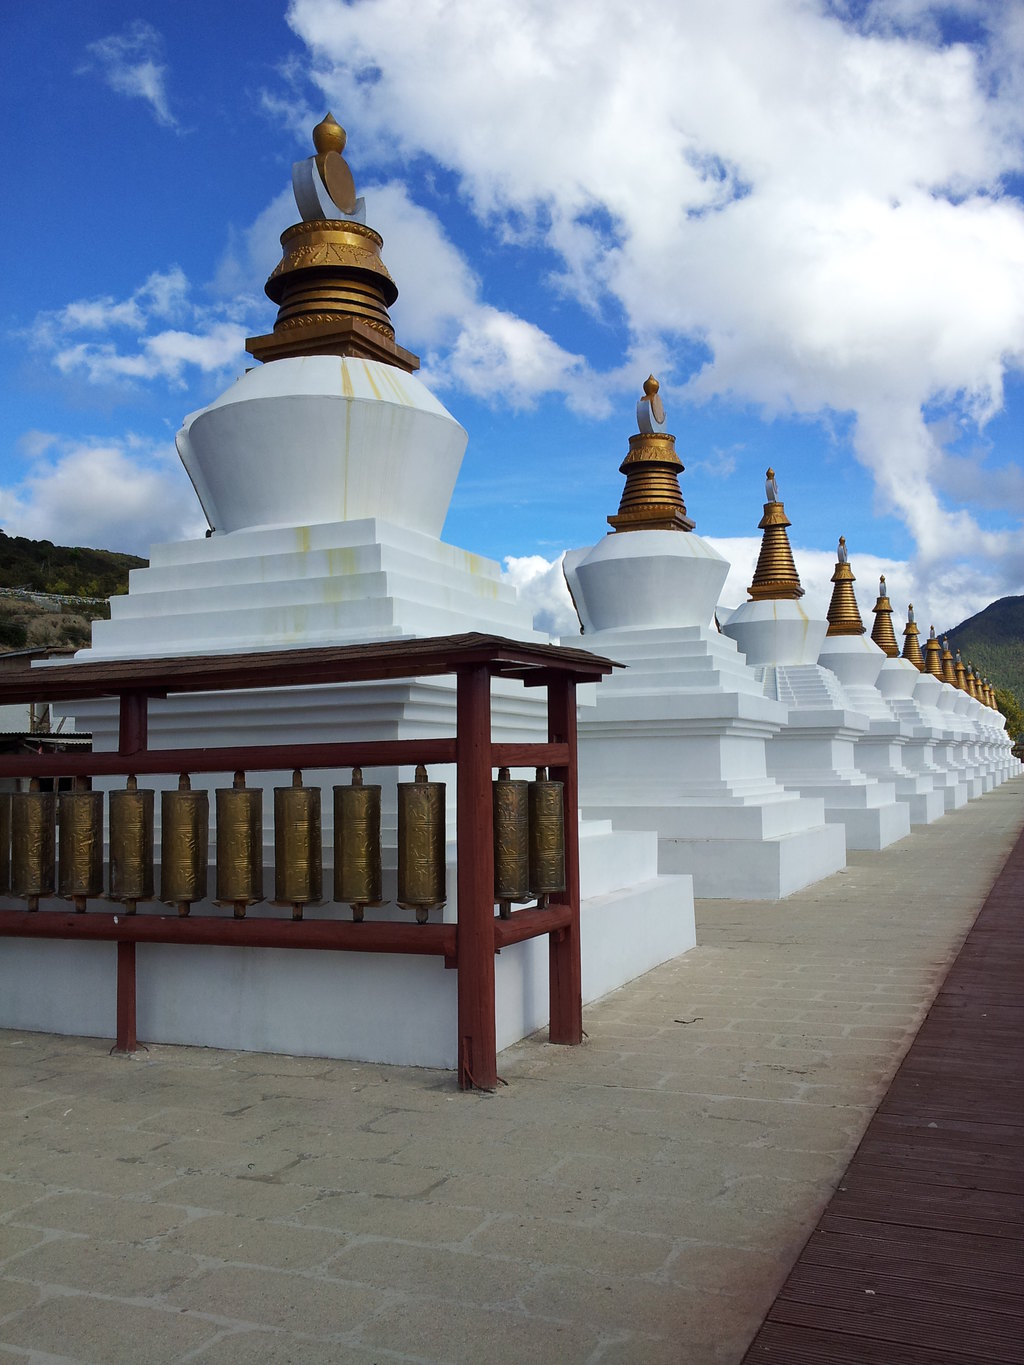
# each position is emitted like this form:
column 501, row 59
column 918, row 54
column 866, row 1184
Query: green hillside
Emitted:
column 39, row 566
column 993, row 641
column 73, row 584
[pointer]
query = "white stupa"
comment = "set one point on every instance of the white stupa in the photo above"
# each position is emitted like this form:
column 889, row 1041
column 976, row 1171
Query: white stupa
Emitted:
column 677, row 740
column 325, row 474
column 815, row 753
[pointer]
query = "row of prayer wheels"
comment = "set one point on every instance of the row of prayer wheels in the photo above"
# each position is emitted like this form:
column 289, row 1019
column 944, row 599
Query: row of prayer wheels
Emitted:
column 529, row 844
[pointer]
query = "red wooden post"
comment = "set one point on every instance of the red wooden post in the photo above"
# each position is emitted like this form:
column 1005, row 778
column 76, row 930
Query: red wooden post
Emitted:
column 127, row 1041
column 133, row 723
column 564, row 973
column 132, row 737
column 477, row 1059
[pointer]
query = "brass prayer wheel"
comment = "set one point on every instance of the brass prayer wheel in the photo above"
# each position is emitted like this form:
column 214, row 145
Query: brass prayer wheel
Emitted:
column 131, row 845
column 298, row 859
column 239, row 845
column 421, row 871
column 80, row 866
column 5, row 843
column 511, row 842
column 547, row 837
column 357, row 864
column 184, row 845
column 33, row 840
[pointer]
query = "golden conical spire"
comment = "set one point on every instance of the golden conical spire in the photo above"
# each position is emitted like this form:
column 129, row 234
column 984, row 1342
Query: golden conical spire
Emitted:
column 933, row 655
column 948, row 671
column 843, row 613
column 960, row 673
column 775, row 576
column 970, row 681
column 911, row 643
column 332, row 288
column 882, row 632
column 651, row 500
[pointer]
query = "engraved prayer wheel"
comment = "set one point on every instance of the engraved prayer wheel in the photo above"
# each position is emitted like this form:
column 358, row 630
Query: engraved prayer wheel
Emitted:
column 184, row 845
column 80, row 865
column 33, row 843
column 298, row 859
column 239, row 845
column 357, row 864
column 421, row 833
column 5, row 843
column 511, row 842
column 547, row 837
column 131, row 845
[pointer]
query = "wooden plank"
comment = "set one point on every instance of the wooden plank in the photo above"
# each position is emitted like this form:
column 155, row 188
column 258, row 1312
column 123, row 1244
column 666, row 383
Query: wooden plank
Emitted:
column 783, row 1344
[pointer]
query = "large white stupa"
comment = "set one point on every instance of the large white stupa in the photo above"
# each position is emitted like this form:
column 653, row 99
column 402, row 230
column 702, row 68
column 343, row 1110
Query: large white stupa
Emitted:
column 326, row 473
column 677, row 740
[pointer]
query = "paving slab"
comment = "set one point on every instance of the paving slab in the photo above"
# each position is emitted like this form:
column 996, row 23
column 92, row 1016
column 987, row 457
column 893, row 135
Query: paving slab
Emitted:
column 637, row 1199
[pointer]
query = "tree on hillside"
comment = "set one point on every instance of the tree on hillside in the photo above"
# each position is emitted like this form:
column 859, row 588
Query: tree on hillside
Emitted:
column 1011, row 709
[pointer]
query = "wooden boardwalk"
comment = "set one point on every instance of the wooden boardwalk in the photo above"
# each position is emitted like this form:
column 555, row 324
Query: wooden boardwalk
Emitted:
column 919, row 1257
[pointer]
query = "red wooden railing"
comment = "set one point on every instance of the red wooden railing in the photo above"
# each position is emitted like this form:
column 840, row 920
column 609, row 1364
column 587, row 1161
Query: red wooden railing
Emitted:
column 468, row 945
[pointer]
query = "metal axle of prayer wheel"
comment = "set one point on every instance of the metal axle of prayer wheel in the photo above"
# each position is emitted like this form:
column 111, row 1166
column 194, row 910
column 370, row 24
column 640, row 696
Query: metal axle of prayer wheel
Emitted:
column 239, row 845
column 33, row 844
column 357, row 862
column 298, row 857
column 80, row 861
column 5, row 843
column 511, row 842
column 131, row 845
column 184, row 845
column 421, row 837
column 547, row 837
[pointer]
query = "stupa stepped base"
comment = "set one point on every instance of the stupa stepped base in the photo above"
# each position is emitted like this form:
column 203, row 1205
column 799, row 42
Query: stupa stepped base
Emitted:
column 287, row 587
column 874, row 828
column 882, row 758
column 370, row 1007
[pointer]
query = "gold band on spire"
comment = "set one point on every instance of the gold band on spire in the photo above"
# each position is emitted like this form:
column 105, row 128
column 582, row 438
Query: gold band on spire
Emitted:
column 882, row 632
column 843, row 613
column 332, row 289
column 651, row 499
column 775, row 577
column 933, row 656
column 911, row 642
column 948, row 671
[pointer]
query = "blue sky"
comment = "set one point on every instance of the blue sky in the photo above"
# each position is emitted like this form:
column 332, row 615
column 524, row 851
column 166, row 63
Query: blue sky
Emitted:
column 805, row 217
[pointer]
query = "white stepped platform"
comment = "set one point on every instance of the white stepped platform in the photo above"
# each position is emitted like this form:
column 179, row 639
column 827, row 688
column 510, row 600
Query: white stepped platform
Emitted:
column 815, row 755
column 676, row 742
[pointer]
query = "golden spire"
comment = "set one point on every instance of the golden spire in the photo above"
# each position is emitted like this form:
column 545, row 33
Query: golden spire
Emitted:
column 651, row 500
column 948, row 671
column 933, row 655
column 775, row 576
column 882, row 632
column 843, row 613
column 970, row 681
column 960, row 673
column 990, row 693
column 911, row 643
column 332, row 289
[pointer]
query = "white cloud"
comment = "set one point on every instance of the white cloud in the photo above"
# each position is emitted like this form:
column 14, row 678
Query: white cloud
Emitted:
column 811, row 190
column 124, row 495
column 542, row 589
column 130, row 64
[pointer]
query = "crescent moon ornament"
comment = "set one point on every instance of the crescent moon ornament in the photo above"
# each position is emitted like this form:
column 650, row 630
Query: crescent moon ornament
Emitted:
column 650, row 411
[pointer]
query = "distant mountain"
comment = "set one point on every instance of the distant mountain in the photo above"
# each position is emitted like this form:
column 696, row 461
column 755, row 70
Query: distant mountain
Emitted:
column 50, row 594
column 994, row 642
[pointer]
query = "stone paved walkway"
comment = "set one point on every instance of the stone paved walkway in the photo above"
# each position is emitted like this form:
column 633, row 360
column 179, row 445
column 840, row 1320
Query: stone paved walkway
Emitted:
column 639, row 1199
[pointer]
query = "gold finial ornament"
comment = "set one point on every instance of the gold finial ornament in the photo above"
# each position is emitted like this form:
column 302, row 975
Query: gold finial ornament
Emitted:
column 332, row 289
column 970, row 681
column 843, row 613
column 960, row 673
column 948, row 671
column 882, row 632
column 933, row 655
column 651, row 499
column 775, row 577
column 911, row 640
